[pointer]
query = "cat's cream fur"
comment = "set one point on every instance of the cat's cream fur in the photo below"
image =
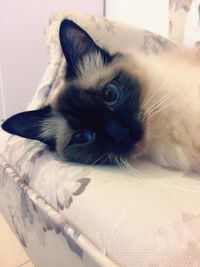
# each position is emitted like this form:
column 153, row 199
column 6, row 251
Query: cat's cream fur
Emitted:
column 171, row 108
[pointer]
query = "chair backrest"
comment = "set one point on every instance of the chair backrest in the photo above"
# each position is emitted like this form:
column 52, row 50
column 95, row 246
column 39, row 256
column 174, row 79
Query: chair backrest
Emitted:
column 192, row 26
column 178, row 12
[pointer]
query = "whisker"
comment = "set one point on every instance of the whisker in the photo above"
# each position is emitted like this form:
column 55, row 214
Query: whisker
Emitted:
column 158, row 103
column 155, row 109
column 97, row 160
column 156, row 113
column 106, row 158
column 117, row 162
column 130, row 168
column 111, row 158
column 150, row 99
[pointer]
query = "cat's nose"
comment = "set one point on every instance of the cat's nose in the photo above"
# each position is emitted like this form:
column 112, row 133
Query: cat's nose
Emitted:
column 117, row 133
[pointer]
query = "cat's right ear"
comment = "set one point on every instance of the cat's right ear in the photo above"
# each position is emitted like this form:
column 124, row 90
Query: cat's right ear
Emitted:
column 75, row 42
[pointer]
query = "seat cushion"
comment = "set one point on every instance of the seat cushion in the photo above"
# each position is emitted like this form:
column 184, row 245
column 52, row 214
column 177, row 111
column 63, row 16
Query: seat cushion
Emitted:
column 150, row 218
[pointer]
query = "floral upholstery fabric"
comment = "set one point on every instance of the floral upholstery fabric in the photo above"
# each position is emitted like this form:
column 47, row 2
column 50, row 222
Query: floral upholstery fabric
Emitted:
column 178, row 11
column 72, row 215
column 192, row 26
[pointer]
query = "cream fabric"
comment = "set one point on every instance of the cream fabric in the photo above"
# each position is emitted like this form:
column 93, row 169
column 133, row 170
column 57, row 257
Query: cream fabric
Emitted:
column 178, row 12
column 192, row 26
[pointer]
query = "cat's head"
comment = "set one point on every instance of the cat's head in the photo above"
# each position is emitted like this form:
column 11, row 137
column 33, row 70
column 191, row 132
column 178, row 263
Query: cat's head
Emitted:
column 95, row 118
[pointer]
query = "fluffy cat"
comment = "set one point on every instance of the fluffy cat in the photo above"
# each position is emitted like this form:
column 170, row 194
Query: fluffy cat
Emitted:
column 112, row 107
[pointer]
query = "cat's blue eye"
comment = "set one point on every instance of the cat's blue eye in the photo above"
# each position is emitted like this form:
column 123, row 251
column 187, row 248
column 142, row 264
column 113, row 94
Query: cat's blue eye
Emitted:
column 111, row 94
column 82, row 137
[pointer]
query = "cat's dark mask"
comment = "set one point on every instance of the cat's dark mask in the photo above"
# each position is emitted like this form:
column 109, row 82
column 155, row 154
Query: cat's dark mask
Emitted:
column 95, row 117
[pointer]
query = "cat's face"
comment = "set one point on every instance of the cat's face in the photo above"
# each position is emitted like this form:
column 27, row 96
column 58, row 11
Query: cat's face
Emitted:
column 95, row 118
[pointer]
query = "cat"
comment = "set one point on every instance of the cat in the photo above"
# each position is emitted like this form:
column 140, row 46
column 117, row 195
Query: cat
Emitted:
column 116, row 106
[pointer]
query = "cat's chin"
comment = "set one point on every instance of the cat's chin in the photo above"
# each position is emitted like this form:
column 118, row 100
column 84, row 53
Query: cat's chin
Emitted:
column 138, row 150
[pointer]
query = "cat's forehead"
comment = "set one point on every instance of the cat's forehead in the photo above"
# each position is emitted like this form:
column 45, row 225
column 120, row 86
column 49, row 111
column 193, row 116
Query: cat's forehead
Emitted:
column 90, row 63
column 94, row 72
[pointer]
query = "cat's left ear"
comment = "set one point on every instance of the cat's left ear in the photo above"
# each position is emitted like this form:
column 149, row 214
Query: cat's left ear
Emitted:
column 75, row 42
column 36, row 124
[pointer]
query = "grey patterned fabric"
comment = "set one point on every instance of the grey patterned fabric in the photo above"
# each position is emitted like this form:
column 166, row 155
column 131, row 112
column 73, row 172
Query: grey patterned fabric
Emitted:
column 192, row 26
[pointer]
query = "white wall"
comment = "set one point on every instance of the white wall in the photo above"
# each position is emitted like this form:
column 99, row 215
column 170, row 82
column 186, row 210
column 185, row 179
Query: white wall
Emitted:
column 148, row 14
column 2, row 104
column 23, row 54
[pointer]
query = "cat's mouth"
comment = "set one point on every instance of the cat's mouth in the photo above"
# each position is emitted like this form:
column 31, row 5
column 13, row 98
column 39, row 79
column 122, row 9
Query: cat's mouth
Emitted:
column 139, row 148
